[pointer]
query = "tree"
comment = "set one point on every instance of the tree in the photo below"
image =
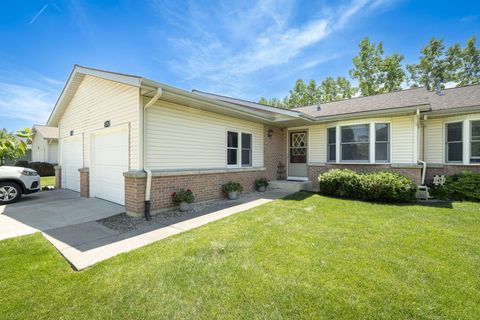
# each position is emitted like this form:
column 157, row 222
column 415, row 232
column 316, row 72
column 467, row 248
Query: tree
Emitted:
column 12, row 146
column 274, row 102
column 333, row 90
column 393, row 73
column 374, row 72
column 367, row 67
column 303, row 94
column 464, row 64
column 432, row 66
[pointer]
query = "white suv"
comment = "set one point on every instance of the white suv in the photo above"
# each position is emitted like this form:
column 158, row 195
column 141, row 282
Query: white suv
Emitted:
column 15, row 181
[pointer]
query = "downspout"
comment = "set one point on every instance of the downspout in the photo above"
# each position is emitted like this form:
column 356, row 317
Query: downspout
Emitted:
column 148, row 188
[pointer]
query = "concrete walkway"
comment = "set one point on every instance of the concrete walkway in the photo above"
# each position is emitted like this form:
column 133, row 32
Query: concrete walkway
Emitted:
column 87, row 243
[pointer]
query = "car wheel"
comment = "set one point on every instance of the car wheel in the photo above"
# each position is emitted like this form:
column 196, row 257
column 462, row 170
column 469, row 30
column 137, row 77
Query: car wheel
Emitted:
column 9, row 192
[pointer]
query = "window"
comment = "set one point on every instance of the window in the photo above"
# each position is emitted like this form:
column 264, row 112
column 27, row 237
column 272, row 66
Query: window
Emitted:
column 332, row 144
column 355, row 145
column 246, row 150
column 454, row 143
column 298, row 147
column 232, row 148
column 475, row 142
column 382, row 142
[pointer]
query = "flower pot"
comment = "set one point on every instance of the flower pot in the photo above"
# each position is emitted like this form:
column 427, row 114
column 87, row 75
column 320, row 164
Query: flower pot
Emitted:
column 262, row 188
column 185, row 206
column 233, row 195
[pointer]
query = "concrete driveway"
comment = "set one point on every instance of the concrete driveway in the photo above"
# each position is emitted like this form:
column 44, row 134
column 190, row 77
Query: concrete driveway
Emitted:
column 47, row 210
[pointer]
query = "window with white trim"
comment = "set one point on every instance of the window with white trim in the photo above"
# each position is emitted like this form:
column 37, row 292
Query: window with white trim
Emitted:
column 232, row 148
column 246, row 150
column 239, row 149
column 475, row 141
column 355, row 143
column 454, row 142
column 382, row 142
column 332, row 144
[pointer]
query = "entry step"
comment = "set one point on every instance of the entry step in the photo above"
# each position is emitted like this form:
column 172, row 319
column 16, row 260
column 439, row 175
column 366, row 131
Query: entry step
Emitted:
column 290, row 185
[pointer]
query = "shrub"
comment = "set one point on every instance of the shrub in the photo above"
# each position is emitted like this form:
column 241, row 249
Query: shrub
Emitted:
column 262, row 182
column 44, row 169
column 375, row 186
column 232, row 187
column 183, row 196
column 464, row 186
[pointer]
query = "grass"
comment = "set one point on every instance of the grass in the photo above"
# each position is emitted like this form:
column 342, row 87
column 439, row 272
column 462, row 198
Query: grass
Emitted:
column 306, row 256
column 47, row 181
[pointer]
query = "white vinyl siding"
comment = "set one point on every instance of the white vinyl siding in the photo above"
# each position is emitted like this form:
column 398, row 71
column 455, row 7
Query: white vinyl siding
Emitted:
column 403, row 140
column 179, row 137
column 434, row 137
column 39, row 148
column 96, row 101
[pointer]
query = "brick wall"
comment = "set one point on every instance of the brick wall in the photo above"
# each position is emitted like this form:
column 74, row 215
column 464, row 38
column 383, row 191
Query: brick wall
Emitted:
column 448, row 170
column 204, row 186
column 84, row 182
column 135, row 195
column 413, row 173
column 58, row 177
column 275, row 150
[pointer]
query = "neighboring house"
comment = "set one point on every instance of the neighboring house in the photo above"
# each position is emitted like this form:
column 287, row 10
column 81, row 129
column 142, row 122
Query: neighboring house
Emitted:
column 129, row 139
column 45, row 144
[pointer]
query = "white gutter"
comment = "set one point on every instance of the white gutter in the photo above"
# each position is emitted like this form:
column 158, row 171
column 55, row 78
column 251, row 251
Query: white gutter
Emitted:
column 423, row 171
column 157, row 95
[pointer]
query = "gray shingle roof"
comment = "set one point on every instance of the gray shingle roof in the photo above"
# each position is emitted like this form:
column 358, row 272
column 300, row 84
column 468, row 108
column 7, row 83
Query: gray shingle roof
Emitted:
column 46, row 132
column 460, row 97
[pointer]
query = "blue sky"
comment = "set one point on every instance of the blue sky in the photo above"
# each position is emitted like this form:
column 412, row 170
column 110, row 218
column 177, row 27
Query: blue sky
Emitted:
column 240, row 48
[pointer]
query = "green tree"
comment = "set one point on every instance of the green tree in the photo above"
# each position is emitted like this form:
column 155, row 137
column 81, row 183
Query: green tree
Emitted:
column 367, row 67
column 303, row 94
column 464, row 64
column 432, row 66
column 274, row 102
column 12, row 146
column 333, row 90
column 374, row 72
column 393, row 74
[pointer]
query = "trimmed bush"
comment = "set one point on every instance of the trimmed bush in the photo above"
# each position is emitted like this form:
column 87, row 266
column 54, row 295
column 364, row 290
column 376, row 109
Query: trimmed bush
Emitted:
column 376, row 186
column 44, row 169
column 464, row 186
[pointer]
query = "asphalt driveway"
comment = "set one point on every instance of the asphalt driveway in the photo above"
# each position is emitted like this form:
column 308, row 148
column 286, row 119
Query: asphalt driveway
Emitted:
column 47, row 210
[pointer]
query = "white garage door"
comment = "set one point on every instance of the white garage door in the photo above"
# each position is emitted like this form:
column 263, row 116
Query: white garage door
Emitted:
column 109, row 162
column 72, row 160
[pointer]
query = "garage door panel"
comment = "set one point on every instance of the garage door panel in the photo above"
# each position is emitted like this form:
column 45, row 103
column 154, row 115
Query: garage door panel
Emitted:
column 109, row 162
column 72, row 160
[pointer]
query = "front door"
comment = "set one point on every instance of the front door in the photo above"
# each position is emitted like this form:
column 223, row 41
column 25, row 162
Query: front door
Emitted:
column 297, row 158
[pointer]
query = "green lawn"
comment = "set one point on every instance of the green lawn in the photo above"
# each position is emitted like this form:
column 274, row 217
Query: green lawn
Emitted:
column 47, row 181
column 307, row 256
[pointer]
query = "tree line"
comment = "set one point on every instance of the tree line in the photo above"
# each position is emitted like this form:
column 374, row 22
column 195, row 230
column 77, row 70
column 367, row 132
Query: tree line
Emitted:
column 377, row 73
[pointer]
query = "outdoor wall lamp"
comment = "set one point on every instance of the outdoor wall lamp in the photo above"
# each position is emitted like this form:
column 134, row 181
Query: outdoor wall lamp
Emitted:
column 270, row 133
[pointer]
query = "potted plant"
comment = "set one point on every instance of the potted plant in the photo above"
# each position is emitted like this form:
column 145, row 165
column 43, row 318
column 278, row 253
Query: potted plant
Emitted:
column 261, row 184
column 183, row 199
column 231, row 189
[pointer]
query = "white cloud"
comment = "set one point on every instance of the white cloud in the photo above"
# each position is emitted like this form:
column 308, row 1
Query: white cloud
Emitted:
column 25, row 103
column 38, row 14
column 231, row 45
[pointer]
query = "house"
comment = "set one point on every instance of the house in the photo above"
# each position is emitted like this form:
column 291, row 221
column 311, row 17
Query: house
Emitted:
column 134, row 141
column 45, row 144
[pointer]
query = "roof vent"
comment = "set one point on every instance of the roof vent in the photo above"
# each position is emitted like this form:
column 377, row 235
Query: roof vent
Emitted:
column 318, row 103
column 437, row 86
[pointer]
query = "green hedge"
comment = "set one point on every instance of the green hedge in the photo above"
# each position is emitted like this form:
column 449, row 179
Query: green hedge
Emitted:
column 463, row 186
column 376, row 186
column 44, row 169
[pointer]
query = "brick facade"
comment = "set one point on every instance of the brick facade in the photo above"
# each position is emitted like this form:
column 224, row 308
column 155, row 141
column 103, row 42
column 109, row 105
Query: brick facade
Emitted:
column 205, row 186
column 58, row 177
column 84, row 182
column 448, row 170
column 275, row 150
column 414, row 173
